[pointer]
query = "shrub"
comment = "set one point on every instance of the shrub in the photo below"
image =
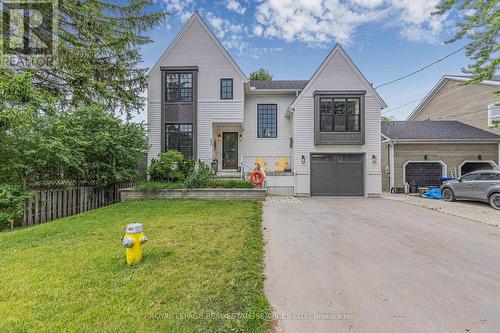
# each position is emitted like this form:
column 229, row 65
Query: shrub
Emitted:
column 212, row 183
column 199, row 178
column 167, row 167
column 12, row 199
column 231, row 183
column 187, row 166
column 152, row 186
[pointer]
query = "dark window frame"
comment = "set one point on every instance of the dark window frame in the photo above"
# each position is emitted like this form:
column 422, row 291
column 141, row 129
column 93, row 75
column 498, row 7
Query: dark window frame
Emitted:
column 222, row 92
column 178, row 90
column 332, row 115
column 178, row 145
column 274, row 134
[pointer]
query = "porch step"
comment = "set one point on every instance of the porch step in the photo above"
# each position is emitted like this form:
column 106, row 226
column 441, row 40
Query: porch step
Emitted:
column 228, row 175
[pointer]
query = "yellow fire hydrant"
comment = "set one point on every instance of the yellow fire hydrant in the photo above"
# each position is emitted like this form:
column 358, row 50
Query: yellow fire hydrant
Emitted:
column 132, row 241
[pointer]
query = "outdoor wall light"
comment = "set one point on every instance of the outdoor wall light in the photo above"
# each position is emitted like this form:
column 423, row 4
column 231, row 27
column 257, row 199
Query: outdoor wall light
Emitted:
column 374, row 159
column 241, row 137
column 479, row 157
column 219, row 137
column 425, row 157
column 303, row 159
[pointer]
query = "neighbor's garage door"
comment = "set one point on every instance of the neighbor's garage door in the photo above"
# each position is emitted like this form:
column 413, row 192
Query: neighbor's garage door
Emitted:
column 337, row 174
column 424, row 173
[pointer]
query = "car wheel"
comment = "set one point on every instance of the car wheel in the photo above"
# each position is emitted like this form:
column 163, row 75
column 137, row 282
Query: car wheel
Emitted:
column 495, row 200
column 448, row 194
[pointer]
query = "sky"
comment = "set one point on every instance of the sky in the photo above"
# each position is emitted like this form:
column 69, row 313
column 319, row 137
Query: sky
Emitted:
column 386, row 39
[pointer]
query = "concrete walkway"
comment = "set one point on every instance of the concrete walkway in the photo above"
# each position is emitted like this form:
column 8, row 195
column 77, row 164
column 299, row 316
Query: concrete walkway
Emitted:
column 376, row 265
column 472, row 210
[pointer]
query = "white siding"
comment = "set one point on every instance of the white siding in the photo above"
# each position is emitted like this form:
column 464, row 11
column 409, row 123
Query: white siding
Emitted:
column 218, row 112
column 154, row 130
column 196, row 47
column 337, row 74
column 252, row 146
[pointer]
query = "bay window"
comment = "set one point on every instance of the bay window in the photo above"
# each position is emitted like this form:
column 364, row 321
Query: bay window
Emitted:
column 340, row 114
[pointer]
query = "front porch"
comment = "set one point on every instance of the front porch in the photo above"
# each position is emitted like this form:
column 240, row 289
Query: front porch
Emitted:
column 226, row 139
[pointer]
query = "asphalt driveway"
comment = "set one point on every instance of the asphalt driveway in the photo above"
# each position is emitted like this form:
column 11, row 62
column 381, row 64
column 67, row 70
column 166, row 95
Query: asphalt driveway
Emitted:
column 376, row 265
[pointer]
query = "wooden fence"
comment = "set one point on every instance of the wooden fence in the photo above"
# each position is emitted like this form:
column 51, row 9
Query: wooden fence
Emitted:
column 51, row 204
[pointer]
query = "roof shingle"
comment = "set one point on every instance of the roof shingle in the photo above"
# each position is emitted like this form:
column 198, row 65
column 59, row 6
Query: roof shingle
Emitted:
column 278, row 84
column 434, row 130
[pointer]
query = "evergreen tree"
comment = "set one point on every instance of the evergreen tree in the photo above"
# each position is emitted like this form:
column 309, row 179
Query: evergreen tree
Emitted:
column 261, row 74
column 98, row 43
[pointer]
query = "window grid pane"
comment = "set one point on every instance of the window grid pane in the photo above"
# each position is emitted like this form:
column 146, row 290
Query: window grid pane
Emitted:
column 179, row 137
column 226, row 89
column 339, row 114
column 179, row 87
column 186, row 80
column 267, row 121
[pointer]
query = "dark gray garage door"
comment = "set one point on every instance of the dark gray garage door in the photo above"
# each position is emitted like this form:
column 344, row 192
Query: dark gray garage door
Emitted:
column 424, row 173
column 337, row 174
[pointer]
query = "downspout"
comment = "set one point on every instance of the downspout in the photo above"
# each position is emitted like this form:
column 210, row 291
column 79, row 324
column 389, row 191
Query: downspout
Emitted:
column 498, row 164
column 391, row 165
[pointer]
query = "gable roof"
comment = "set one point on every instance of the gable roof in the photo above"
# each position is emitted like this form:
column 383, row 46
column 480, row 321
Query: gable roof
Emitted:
column 278, row 84
column 196, row 17
column 492, row 81
column 335, row 50
column 495, row 81
column 434, row 130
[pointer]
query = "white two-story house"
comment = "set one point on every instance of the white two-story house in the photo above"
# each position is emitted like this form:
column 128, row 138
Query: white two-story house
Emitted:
column 313, row 137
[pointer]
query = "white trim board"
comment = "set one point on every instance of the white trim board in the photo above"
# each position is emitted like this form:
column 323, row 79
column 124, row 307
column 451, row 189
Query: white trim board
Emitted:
column 443, row 165
column 492, row 163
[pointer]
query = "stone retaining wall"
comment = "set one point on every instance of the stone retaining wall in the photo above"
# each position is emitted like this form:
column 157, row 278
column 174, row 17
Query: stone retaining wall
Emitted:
column 202, row 193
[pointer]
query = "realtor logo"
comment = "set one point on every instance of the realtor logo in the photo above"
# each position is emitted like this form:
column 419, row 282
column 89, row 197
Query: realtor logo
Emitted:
column 28, row 30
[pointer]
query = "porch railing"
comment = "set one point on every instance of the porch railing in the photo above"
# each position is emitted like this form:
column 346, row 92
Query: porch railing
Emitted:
column 271, row 164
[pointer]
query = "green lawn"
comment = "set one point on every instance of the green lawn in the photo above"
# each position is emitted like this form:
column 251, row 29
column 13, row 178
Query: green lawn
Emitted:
column 202, row 271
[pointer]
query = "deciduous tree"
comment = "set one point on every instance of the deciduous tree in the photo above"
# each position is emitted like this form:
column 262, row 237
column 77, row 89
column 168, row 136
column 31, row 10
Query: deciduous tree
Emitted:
column 480, row 25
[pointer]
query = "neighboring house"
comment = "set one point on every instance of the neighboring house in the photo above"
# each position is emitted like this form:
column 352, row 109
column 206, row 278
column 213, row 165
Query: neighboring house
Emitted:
column 314, row 137
column 473, row 105
column 425, row 151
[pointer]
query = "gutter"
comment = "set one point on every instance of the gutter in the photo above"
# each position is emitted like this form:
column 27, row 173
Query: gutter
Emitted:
column 255, row 90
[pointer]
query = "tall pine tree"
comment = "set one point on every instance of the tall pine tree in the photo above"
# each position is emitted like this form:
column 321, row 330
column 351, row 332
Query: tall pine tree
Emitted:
column 99, row 58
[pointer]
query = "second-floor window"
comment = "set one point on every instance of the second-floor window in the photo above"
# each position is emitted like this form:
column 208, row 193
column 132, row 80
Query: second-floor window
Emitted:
column 494, row 115
column 226, row 88
column 267, row 115
column 179, row 87
column 339, row 114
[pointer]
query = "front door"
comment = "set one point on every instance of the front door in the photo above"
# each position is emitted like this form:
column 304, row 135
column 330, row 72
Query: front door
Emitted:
column 230, row 150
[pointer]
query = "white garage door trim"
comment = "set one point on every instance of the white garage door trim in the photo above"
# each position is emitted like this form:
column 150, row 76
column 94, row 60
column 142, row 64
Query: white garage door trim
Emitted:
column 443, row 165
column 492, row 163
